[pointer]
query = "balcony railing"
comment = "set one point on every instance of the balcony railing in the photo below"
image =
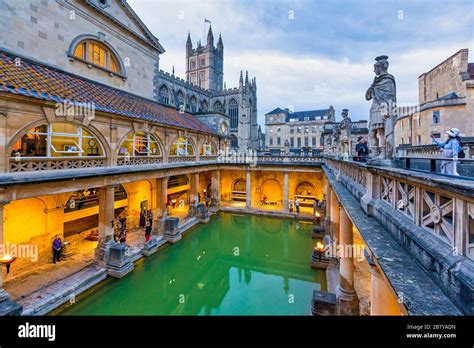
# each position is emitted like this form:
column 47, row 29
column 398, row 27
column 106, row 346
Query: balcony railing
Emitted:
column 37, row 164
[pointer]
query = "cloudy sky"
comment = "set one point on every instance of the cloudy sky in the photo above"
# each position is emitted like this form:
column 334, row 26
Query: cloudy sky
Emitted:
column 309, row 54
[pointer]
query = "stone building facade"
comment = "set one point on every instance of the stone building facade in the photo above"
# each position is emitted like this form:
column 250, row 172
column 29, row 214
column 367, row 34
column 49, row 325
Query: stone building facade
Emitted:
column 446, row 100
column 301, row 131
column 204, row 92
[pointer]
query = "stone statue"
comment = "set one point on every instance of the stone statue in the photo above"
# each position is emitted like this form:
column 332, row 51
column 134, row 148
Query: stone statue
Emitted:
column 383, row 94
column 345, row 134
column 335, row 139
column 286, row 148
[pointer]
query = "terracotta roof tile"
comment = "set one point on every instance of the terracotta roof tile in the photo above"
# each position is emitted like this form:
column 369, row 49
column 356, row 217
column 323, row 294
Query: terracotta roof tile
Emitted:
column 42, row 82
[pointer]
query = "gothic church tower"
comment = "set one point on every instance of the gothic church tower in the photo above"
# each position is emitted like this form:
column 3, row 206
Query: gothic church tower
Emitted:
column 205, row 64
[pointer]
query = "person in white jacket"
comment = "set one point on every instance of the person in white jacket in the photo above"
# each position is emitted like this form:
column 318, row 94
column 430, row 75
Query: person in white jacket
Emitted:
column 451, row 148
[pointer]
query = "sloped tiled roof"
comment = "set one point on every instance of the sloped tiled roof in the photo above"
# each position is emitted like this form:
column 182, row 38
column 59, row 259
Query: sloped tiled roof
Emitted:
column 38, row 81
column 276, row 111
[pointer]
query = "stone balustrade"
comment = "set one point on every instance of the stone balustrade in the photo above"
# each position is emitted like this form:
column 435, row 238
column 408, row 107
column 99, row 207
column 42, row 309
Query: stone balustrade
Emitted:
column 430, row 216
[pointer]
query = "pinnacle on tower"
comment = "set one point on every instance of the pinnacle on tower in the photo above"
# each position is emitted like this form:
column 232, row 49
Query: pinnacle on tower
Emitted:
column 189, row 45
column 210, row 37
column 220, row 45
column 241, row 80
column 247, row 78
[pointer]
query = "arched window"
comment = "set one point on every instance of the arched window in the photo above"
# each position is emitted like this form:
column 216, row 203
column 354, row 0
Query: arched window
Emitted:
column 204, row 105
column 234, row 143
column 164, row 94
column 193, row 104
column 234, row 114
column 57, row 140
column 96, row 53
column 139, row 144
column 182, row 147
column 208, row 149
column 217, row 106
column 180, row 101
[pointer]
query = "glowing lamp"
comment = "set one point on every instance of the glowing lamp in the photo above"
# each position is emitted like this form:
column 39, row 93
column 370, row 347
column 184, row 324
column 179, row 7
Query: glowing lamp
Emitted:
column 7, row 260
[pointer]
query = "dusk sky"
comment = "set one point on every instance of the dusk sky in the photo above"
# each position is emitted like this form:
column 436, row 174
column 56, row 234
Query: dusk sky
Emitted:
column 311, row 54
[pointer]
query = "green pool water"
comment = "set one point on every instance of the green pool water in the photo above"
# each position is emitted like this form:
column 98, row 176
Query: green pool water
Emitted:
column 234, row 265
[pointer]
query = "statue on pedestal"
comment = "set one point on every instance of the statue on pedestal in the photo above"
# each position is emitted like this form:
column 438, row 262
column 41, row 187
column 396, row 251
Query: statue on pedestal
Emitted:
column 345, row 137
column 383, row 94
column 286, row 149
column 335, row 140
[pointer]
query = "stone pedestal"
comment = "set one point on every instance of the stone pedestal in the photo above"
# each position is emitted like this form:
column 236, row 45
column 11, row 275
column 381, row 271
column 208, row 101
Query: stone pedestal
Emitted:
column 321, row 261
column 323, row 303
column 347, row 301
column 118, row 262
column 319, row 231
column 153, row 245
column 171, row 230
column 102, row 251
column 202, row 214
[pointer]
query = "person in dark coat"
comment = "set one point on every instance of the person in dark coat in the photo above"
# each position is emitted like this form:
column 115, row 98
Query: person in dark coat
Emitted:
column 362, row 150
column 57, row 247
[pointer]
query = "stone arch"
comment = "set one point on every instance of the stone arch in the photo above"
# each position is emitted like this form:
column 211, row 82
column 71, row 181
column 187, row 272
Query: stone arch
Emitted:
column 85, row 37
column 240, row 185
column 305, row 188
column 271, row 188
column 156, row 138
column 189, row 138
column 22, row 131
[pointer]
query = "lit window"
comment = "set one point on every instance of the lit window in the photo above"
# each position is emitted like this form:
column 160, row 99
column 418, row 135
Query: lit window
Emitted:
column 57, row 140
column 182, row 147
column 139, row 144
column 208, row 149
column 97, row 54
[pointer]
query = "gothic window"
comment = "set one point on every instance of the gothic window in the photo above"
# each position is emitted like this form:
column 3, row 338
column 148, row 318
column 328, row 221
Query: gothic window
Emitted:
column 182, row 147
column 97, row 54
column 234, row 114
column 204, row 105
column 57, row 140
column 180, row 97
column 194, row 103
column 164, row 95
column 234, row 143
column 139, row 144
column 218, row 107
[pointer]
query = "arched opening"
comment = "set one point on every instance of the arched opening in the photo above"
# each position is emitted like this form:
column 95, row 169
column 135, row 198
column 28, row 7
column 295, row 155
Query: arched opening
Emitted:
column 271, row 193
column 208, row 149
column 164, row 94
column 178, row 196
column 194, row 104
column 182, row 147
column 58, row 141
column 139, row 148
column 217, row 107
column 239, row 190
column 234, row 114
column 204, row 106
column 306, row 194
column 180, row 100
column 234, row 142
column 97, row 53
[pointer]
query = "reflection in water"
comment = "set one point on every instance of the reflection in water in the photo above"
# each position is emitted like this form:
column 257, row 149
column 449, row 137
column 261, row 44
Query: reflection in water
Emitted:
column 234, row 265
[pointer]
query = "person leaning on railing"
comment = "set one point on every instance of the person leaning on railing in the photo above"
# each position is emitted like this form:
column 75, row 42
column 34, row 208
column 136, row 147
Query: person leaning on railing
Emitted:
column 362, row 150
column 452, row 148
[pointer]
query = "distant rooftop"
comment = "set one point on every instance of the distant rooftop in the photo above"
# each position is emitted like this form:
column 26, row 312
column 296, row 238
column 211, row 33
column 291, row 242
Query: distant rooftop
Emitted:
column 309, row 115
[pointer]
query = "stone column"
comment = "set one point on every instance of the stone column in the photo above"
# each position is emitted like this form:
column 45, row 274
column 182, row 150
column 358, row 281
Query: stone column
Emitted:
column 249, row 190
column 106, row 223
column 347, row 301
column 7, row 306
column 193, row 194
column 216, row 180
column 334, row 216
column 382, row 299
column 285, row 192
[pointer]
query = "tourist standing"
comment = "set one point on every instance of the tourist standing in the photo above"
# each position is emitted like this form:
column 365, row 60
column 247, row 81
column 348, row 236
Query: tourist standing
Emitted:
column 147, row 231
column 208, row 199
column 297, row 205
column 362, row 150
column 452, row 148
column 315, row 206
column 57, row 247
column 290, row 205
